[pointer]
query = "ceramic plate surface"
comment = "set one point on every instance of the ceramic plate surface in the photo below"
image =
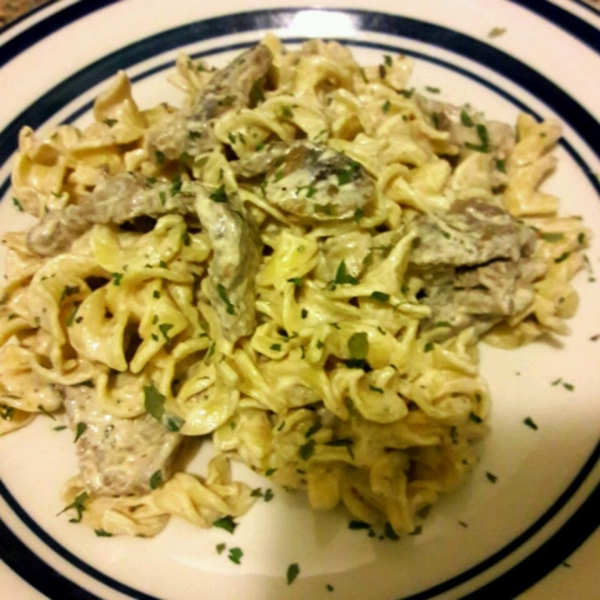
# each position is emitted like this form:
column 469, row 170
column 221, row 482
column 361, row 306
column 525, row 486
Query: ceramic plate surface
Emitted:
column 486, row 540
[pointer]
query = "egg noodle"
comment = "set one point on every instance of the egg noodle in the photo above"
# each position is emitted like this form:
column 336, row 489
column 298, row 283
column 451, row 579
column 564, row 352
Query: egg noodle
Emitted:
column 328, row 368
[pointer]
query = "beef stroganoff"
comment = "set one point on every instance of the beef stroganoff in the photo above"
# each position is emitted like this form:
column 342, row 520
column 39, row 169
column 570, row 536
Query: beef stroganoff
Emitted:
column 299, row 263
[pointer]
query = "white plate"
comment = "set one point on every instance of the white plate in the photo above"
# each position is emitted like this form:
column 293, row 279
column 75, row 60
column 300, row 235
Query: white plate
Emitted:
column 544, row 503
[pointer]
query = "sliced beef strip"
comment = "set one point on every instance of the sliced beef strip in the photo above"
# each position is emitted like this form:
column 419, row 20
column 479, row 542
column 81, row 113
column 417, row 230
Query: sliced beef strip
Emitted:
column 117, row 457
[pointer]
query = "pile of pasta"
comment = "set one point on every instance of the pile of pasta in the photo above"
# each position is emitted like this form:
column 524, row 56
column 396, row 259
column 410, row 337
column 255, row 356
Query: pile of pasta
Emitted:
column 288, row 401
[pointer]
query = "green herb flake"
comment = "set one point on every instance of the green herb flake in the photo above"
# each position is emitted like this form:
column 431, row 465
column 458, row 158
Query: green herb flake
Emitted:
column 235, row 555
column 78, row 505
column 163, row 197
column 562, row 257
column 164, row 328
column 358, row 345
column 435, row 118
column 156, row 480
column 359, row 213
column 475, row 418
column 227, row 523
column 428, row 347
column 110, row 122
column 390, row 533
column 556, row 381
column 313, row 429
column 552, row 237
column 154, row 402
column 116, row 278
column 385, row 109
column 269, row 472
column 343, row 443
column 306, row 450
column 174, row 423
column 256, row 493
column 465, row 119
column 380, row 296
column 376, row 389
column 484, row 146
column 443, row 324
column 220, row 548
column 287, row 112
column 160, row 157
column 17, row 204
column 297, row 281
column 387, row 60
column 102, row 533
column 407, row 93
column 304, row 313
column 493, row 478
column 269, row 495
column 501, row 165
column 342, row 276
column 79, row 431
column 219, row 195
column 530, row 423
column 358, row 525
column 276, row 347
column 223, row 295
column 581, row 239
column 345, row 176
column 59, row 428
column 329, row 587
column 292, row 572
column 569, row 386
column 497, row 32
column 418, row 530
column 433, row 90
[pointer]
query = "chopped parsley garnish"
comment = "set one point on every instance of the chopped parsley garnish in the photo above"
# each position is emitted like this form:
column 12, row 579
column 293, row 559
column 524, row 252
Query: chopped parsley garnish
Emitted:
column 287, row 112
column 174, row 423
column 292, row 572
column 71, row 318
column 385, row 109
column 163, row 197
column 329, row 587
column 358, row 345
column 552, row 237
column 164, row 328
column 326, row 209
column 276, row 347
column 313, row 429
column 160, row 157
column 154, row 402
column 110, row 122
column 297, row 281
column 376, row 389
column 48, row 414
column 156, row 294
column 475, row 418
column 102, row 533
column 306, row 450
column 256, row 493
column 484, row 146
column 219, row 195
column 562, row 257
column 7, row 413
column 347, row 175
column 497, row 32
column 235, row 555
column 231, row 138
column 156, row 480
column 493, row 478
column 176, row 184
column 342, row 276
column 227, row 523
column 428, row 347
column 387, row 60
column 418, row 530
column 304, row 313
column 357, row 525
column 359, row 213
column 465, row 119
column 556, row 381
column 269, row 472
column 433, row 90
column 501, row 165
column 530, row 423
column 17, row 204
column 59, row 428
column 380, row 296
column 269, row 495
column 443, row 324
column 407, row 93
column 220, row 548
column 581, row 239
column 69, row 291
column 435, row 118
column 223, row 295
column 259, row 146
column 116, row 278
column 79, row 430
column 569, row 386
column 390, row 533
column 462, row 524
column 78, row 505
column 382, row 72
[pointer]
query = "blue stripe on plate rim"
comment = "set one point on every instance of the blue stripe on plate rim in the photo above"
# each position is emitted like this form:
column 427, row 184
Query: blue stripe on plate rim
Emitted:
column 560, row 17
column 579, row 526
